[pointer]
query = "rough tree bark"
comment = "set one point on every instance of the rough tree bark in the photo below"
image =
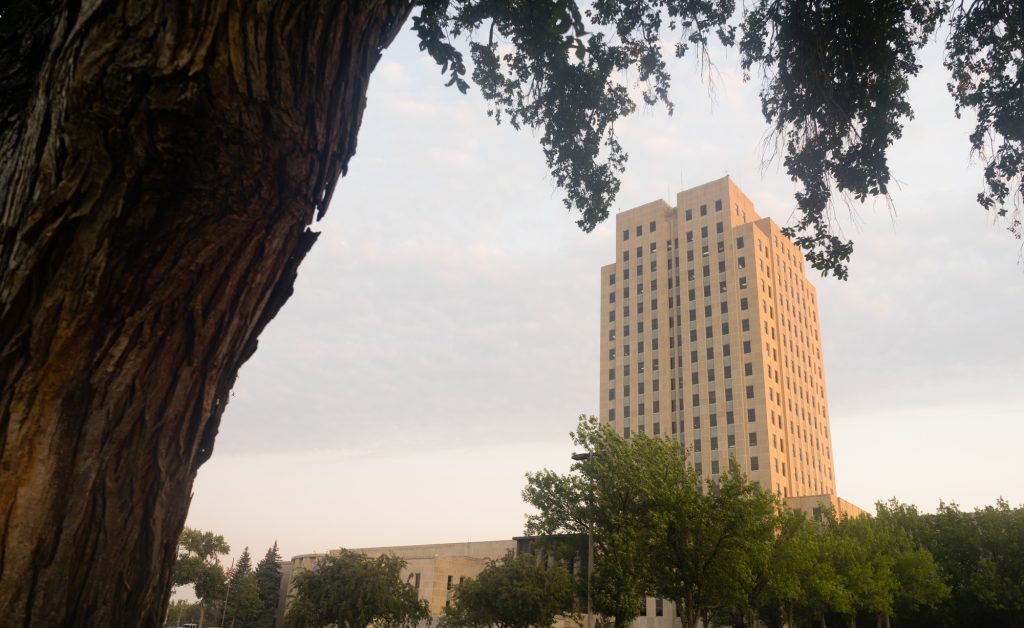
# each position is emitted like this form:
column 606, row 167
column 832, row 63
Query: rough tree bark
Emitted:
column 160, row 163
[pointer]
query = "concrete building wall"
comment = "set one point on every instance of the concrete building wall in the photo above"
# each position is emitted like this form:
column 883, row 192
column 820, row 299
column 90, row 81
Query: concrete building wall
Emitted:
column 433, row 569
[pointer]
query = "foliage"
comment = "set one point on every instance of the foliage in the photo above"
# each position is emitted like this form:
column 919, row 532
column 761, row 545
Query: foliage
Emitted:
column 711, row 542
column 268, row 582
column 198, row 563
column 553, row 66
column 983, row 54
column 980, row 555
column 513, row 592
column 606, row 494
column 352, row 590
column 243, row 599
column 836, row 76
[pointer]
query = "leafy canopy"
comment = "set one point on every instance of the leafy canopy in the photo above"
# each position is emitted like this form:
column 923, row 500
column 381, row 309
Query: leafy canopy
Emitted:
column 513, row 592
column 836, row 76
column 352, row 590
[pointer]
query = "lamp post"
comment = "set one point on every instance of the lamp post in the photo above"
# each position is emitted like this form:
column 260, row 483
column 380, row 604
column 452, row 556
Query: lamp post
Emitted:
column 590, row 546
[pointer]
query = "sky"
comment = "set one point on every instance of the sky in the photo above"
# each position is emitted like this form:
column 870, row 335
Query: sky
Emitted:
column 443, row 336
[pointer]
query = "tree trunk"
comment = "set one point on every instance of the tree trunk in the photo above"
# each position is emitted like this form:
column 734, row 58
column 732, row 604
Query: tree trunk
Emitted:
column 161, row 164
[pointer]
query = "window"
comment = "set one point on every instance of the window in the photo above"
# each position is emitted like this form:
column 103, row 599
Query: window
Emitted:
column 752, row 437
column 750, row 392
column 653, row 247
column 725, row 307
column 417, row 580
column 652, row 227
column 611, row 374
column 611, row 279
column 611, row 414
column 728, row 375
column 611, row 316
column 694, row 378
column 713, row 420
column 743, row 282
column 753, row 460
column 625, row 256
column 704, row 232
column 703, row 210
column 625, row 331
column 718, row 227
column 714, row 467
column 714, row 443
column 725, row 329
column 745, row 324
column 731, row 440
column 625, row 273
column 657, row 426
column 748, row 369
column 707, row 311
column 611, row 354
column 611, row 394
column 689, row 255
column 625, row 234
column 739, row 242
column 693, row 356
column 659, row 609
column 746, row 346
column 689, row 214
column 696, row 422
column 751, row 415
column 728, row 391
column 693, row 314
column 693, row 335
column 718, row 206
column 697, row 446
column 625, row 390
column 625, row 293
column 743, row 303
column 625, row 431
column 721, row 269
column 711, row 353
column 707, row 291
column 698, row 468
column 729, row 417
column 696, row 400
column 741, row 262
column 611, row 297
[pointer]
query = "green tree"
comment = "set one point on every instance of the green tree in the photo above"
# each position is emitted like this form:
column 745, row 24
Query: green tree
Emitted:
column 244, row 604
column 512, row 592
column 243, row 599
column 268, row 580
column 177, row 199
column 711, row 543
column 352, row 590
column 608, row 495
column 197, row 563
column 798, row 580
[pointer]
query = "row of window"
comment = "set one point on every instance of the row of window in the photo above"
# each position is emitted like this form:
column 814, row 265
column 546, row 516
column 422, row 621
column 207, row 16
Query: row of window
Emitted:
column 652, row 227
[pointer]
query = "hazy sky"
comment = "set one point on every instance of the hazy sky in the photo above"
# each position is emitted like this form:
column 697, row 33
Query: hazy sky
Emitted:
column 443, row 336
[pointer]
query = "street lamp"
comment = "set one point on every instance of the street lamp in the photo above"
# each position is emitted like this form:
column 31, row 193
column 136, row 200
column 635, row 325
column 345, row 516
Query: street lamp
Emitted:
column 590, row 545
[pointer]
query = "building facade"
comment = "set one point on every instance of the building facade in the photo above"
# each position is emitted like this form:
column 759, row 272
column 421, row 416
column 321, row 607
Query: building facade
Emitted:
column 710, row 335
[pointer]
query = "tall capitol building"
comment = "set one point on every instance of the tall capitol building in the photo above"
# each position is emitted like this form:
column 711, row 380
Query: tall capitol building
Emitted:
column 710, row 334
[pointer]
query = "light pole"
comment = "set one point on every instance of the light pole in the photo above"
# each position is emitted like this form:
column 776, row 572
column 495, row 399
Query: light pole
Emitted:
column 590, row 545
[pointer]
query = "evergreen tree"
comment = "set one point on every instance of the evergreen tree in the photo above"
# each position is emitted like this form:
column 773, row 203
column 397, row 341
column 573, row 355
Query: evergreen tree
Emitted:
column 243, row 603
column 268, row 581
